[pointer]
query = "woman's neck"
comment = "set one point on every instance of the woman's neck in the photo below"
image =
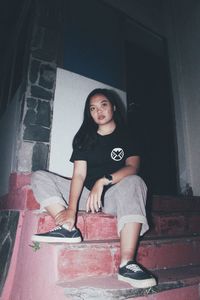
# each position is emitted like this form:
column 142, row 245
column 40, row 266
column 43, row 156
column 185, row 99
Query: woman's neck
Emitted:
column 106, row 129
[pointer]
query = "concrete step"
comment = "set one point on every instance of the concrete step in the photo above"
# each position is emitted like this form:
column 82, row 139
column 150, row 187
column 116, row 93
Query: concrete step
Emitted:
column 102, row 226
column 177, row 284
column 171, row 223
column 94, row 258
column 19, row 199
column 97, row 226
column 174, row 203
column 20, row 194
column 52, row 263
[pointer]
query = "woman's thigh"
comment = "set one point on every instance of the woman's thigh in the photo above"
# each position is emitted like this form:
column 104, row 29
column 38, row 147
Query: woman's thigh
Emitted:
column 126, row 197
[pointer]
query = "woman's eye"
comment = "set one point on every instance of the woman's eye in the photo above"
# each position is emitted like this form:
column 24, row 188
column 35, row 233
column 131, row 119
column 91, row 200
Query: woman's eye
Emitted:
column 92, row 108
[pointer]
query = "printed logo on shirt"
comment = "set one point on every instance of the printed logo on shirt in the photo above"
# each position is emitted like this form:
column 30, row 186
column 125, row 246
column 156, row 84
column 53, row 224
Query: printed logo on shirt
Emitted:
column 117, row 154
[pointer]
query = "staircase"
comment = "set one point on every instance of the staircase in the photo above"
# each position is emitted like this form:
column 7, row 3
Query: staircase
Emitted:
column 87, row 270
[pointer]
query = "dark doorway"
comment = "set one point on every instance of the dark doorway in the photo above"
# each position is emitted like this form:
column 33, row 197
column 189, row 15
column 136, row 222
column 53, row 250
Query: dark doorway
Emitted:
column 150, row 116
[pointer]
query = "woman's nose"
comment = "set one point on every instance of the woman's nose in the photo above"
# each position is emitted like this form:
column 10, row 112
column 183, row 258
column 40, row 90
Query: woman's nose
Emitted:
column 99, row 109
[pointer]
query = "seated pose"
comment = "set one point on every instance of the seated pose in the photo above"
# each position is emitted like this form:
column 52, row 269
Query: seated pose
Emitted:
column 106, row 161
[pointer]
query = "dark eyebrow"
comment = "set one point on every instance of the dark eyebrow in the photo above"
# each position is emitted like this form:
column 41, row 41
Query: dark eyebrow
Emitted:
column 104, row 100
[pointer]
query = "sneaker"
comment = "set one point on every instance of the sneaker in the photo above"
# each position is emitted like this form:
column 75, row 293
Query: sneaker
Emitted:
column 136, row 276
column 58, row 235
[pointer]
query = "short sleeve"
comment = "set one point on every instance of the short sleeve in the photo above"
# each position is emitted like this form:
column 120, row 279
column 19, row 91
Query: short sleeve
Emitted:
column 78, row 155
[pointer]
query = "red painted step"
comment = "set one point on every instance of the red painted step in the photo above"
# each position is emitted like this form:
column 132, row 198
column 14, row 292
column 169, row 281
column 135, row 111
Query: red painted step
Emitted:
column 102, row 257
column 174, row 223
column 97, row 226
column 180, row 283
column 21, row 198
column 175, row 203
column 102, row 226
column 165, row 246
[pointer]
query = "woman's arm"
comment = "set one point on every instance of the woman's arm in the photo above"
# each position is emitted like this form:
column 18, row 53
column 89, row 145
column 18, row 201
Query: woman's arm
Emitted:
column 131, row 167
column 78, row 178
column 68, row 216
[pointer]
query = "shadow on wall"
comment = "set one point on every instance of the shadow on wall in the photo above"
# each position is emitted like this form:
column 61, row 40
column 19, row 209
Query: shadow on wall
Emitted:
column 9, row 128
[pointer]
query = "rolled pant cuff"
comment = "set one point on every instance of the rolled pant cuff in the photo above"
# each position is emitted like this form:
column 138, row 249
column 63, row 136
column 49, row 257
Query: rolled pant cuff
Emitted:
column 133, row 219
column 50, row 201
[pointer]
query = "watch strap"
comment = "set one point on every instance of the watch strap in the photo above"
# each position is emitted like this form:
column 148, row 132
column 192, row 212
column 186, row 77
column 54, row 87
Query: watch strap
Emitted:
column 110, row 178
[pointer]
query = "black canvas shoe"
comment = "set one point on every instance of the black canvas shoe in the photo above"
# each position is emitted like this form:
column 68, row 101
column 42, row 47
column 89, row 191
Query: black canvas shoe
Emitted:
column 58, row 235
column 136, row 276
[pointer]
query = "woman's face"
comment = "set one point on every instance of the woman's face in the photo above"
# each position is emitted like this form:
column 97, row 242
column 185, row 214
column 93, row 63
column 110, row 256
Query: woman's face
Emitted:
column 101, row 109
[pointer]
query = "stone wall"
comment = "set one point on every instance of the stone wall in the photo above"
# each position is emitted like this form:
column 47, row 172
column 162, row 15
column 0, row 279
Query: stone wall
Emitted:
column 34, row 140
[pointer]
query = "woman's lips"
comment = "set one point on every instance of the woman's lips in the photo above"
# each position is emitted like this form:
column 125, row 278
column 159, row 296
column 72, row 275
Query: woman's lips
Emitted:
column 101, row 117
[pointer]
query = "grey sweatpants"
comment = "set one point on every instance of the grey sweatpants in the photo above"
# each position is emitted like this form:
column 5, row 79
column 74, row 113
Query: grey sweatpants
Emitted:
column 126, row 199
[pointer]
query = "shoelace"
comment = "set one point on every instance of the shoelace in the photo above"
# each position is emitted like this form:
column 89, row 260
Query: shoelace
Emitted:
column 134, row 268
column 56, row 228
column 60, row 227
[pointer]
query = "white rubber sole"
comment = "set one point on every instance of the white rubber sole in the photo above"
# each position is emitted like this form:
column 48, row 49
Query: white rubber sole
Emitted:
column 43, row 239
column 140, row 284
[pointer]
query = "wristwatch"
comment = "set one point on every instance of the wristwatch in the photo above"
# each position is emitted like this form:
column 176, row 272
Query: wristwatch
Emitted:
column 110, row 178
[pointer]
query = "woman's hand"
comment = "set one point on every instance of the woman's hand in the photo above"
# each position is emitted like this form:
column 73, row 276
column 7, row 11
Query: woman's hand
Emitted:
column 94, row 200
column 66, row 216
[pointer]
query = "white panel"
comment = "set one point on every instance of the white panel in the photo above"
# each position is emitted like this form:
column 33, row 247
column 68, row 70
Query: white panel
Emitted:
column 70, row 96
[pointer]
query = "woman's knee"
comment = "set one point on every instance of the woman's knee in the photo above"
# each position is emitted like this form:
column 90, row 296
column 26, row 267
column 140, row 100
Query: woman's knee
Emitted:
column 134, row 180
column 37, row 176
column 133, row 185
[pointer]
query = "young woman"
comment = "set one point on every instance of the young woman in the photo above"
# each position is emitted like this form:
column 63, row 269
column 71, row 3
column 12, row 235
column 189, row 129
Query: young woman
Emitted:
column 106, row 161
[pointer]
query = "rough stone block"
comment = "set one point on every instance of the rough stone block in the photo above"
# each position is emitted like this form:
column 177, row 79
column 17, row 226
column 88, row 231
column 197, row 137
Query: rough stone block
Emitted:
column 47, row 76
column 41, row 93
column 43, row 114
column 34, row 71
column 43, row 55
column 32, row 103
column 25, row 153
column 40, row 156
column 30, row 117
column 36, row 133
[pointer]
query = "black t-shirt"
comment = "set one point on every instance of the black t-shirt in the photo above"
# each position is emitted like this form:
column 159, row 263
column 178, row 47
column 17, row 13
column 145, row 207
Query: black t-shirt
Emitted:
column 107, row 156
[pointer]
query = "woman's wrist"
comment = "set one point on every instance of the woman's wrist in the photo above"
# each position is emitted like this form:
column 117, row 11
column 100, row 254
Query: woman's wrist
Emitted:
column 105, row 181
column 109, row 179
column 72, row 209
column 101, row 182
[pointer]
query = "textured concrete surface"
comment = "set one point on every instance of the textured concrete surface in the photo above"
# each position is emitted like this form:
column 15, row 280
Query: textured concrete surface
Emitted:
column 8, row 225
column 88, row 270
column 179, row 284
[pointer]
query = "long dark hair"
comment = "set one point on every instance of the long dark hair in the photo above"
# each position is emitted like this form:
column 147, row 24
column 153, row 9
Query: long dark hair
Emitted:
column 86, row 136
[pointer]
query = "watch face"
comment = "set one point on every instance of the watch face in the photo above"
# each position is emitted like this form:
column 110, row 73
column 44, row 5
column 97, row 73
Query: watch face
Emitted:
column 109, row 177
